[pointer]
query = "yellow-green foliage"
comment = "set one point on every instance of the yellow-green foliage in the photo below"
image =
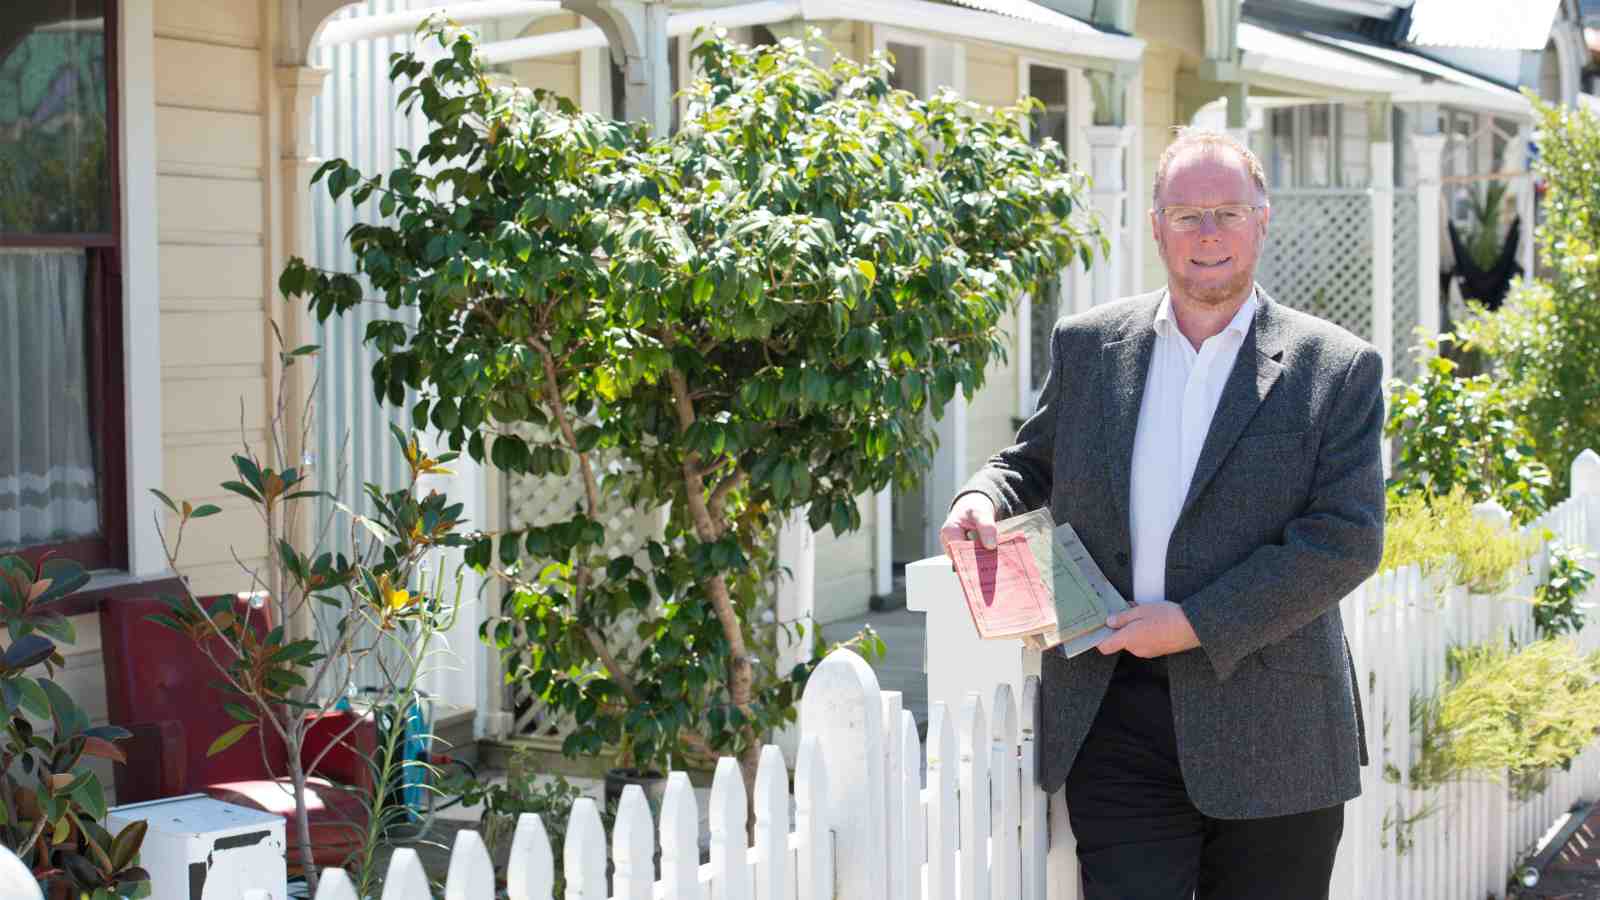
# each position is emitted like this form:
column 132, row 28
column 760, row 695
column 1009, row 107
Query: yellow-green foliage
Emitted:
column 1441, row 534
column 1521, row 711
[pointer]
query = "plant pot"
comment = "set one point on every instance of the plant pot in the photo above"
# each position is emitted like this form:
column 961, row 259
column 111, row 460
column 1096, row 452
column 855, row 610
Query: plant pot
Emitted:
column 654, row 784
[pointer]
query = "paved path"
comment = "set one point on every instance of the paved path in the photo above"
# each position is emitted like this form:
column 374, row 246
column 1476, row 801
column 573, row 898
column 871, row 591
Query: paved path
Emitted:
column 901, row 671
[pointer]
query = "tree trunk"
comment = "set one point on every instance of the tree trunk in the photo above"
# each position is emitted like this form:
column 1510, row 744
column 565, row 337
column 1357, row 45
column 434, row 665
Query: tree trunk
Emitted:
column 302, row 821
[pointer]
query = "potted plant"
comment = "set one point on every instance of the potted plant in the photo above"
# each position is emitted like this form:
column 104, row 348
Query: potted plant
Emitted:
column 749, row 319
column 52, row 804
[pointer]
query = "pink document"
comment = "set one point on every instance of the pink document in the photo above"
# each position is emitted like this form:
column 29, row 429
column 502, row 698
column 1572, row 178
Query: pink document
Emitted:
column 1005, row 594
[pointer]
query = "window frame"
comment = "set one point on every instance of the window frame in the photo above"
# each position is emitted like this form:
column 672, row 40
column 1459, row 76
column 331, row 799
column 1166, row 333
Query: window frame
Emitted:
column 107, row 400
column 1073, row 280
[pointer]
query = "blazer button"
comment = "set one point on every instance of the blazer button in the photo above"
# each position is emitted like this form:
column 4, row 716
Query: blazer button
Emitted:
column 1122, row 559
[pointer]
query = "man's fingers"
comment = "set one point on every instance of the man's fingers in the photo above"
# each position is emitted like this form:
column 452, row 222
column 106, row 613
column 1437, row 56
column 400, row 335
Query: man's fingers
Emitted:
column 988, row 534
column 1112, row 644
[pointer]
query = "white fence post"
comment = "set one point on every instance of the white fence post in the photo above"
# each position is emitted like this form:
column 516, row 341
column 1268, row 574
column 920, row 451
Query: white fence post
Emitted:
column 531, row 870
column 730, row 865
column 1006, row 867
column 16, row 879
column 899, row 872
column 334, row 884
column 680, row 840
column 814, row 869
column 943, row 770
column 633, row 847
column 471, row 875
column 974, row 801
column 841, row 708
column 1034, row 827
column 773, row 872
column 406, row 879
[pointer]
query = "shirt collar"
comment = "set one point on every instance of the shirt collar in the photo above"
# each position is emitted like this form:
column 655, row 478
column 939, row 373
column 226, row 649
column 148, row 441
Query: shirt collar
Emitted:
column 1167, row 326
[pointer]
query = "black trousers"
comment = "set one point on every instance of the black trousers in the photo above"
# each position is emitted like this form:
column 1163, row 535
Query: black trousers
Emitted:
column 1139, row 837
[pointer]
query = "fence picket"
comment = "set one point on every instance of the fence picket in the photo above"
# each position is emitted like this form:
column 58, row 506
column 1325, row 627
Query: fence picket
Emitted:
column 583, row 853
column 911, row 805
column 1031, row 812
column 633, row 847
column 332, row 884
column 1005, row 868
column 772, row 827
column 680, row 840
column 943, row 772
column 406, row 880
column 730, row 866
column 471, row 875
column 974, row 800
column 893, row 784
column 814, row 871
column 531, row 870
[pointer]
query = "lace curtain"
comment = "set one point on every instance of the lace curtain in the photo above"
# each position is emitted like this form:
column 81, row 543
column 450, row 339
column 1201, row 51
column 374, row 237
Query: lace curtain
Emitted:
column 48, row 491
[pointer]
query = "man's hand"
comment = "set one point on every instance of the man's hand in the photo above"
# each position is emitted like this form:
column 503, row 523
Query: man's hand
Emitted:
column 1150, row 629
column 972, row 514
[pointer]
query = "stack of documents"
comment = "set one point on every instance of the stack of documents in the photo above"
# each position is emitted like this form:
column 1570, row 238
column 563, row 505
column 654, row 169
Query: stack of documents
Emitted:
column 1038, row 584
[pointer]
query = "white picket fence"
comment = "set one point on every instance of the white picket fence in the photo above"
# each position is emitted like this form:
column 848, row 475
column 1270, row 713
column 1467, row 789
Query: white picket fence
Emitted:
column 875, row 814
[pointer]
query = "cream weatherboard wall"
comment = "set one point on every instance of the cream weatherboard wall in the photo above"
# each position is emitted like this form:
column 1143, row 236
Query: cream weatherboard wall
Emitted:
column 212, row 215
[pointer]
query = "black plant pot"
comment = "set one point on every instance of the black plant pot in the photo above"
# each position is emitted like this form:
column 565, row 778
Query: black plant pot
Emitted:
column 652, row 782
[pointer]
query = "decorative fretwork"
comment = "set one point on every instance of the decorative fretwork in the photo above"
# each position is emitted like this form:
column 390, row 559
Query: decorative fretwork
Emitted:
column 1407, row 309
column 1318, row 256
column 536, row 501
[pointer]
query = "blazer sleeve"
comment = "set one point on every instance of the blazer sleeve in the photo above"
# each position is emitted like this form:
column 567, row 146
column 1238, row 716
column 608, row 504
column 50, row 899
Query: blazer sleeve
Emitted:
column 1018, row 477
column 1326, row 552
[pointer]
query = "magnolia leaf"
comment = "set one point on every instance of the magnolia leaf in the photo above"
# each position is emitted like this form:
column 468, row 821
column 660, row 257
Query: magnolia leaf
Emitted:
column 229, row 738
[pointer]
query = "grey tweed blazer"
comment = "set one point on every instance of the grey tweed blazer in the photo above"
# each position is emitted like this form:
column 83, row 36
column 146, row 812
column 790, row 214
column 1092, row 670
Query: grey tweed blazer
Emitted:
column 1283, row 519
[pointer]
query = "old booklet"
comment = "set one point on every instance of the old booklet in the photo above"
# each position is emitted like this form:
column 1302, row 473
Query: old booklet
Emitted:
column 1010, row 599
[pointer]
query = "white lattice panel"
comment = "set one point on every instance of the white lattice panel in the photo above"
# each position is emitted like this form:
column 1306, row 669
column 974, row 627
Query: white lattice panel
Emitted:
column 1407, row 313
column 1318, row 256
column 532, row 502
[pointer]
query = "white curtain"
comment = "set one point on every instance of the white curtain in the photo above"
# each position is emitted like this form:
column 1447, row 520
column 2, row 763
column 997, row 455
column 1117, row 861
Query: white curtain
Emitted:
column 47, row 473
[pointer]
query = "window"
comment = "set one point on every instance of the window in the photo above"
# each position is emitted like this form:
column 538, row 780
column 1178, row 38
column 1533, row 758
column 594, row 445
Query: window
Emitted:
column 1319, row 146
column 1281, row 156
column 910, row 68
column 61, row 432
column 1050, row 85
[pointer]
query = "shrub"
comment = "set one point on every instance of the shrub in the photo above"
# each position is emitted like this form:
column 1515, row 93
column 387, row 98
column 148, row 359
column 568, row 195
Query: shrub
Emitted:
column 1440, row 534
column 51, row 804
column 1556, row 606
column 749, row 319
column 1462, row 432
column 1544, row 343
column 1508, row 712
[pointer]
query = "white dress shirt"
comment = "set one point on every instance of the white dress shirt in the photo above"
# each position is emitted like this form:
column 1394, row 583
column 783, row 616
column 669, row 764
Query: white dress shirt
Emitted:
column 1180, row 396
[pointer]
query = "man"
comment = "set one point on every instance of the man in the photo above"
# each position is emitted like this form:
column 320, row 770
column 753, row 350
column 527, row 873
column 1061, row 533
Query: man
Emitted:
column 1219, row 456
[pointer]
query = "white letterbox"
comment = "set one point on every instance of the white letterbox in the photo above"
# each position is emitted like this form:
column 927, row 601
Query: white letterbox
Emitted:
column 198, row 848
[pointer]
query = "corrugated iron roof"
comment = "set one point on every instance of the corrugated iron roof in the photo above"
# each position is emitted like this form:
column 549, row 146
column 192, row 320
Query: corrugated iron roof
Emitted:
column 1027, row 11
column 1496, row 24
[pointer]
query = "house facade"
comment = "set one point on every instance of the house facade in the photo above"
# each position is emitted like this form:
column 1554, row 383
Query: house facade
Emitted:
column 186, row 132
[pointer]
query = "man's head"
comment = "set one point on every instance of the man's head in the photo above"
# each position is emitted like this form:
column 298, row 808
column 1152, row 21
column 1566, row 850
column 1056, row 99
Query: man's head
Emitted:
column 1210, row 259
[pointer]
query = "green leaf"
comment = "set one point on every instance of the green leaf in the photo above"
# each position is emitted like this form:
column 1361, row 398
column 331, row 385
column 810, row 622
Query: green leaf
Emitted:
column 242, row 490
column 229, row 738
column 33, row 697
column 239, row 713
column 165, row 499
column 205, row 509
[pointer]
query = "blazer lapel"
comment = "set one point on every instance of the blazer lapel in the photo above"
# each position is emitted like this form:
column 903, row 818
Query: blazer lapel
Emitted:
column 1125, row 365
column 1255, row 371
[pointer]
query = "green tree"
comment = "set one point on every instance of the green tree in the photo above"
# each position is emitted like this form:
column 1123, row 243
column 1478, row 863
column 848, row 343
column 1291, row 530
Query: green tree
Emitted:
column 1544, row 343
column 747, row 319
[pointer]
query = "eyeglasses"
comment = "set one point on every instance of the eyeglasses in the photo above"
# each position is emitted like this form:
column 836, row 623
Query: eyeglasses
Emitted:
column 1189, row 218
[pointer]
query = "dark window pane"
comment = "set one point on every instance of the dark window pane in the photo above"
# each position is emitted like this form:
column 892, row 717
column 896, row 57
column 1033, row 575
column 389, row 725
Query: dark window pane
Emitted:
column 1049, row 85
column 48, row 483
column 908, row 68
column 55, row 172
column 1046, row 308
